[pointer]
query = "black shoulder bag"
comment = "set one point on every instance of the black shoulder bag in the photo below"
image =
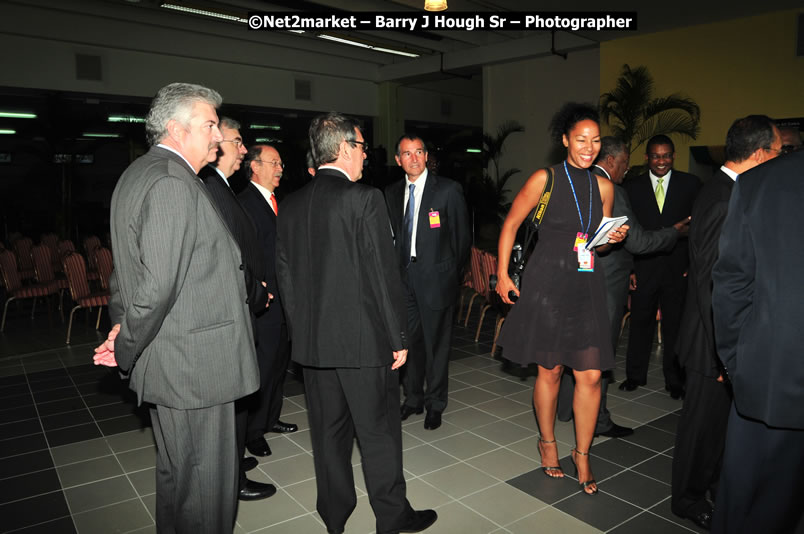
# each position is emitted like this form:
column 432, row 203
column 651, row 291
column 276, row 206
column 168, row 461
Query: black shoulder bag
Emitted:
column 516, row 264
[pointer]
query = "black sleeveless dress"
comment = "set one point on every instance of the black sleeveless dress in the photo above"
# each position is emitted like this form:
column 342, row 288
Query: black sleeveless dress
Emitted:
column 561, row 316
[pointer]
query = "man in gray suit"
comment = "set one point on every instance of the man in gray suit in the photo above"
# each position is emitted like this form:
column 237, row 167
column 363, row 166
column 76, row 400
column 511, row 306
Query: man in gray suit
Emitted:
column 617, row 263
column 182, row 331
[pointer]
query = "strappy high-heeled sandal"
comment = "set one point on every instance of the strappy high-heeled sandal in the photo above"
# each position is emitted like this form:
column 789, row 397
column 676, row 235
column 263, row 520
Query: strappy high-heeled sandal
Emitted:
column 587, row 483
column 559, row 472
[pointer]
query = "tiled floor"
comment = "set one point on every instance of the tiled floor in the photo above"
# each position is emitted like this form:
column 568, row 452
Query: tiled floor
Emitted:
column 76, row 455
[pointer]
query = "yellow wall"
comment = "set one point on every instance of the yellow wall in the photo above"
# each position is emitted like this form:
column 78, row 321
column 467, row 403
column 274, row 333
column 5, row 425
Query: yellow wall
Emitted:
column 731, row 69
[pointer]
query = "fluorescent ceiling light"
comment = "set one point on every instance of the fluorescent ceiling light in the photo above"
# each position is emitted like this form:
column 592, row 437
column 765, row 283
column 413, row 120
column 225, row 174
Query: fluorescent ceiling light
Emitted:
column 204, row 12
column 8, row 132
column 368, row 46
column 100, row 135
column 17, row 115
column 267, row 140
column 125, row 118
column 264, row 127
column 473, row 150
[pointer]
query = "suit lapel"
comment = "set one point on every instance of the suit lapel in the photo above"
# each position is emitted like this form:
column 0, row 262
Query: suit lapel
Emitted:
column 430, row 189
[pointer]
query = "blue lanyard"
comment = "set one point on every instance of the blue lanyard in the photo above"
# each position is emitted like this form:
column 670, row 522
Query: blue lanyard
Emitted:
column 589, row 220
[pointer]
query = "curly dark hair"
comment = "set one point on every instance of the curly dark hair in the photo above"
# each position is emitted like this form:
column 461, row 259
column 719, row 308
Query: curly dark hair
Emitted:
column 568, row 116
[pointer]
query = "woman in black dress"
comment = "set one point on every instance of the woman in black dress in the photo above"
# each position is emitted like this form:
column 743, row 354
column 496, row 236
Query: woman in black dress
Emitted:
column 560, row 318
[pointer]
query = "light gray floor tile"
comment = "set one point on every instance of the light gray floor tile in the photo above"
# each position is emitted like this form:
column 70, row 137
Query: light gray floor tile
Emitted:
column 503, row 432
column 551, row 520
column 304, row 524
column 134, row 439
column 422, row 495
column 289, row 470
column 472, row 395
column 302, row 439
column 304, row 493
column 83, row 450
column 464, row 445
column 89, row 471
column 475, row 377
column 424, row 459
column 503, row 408
column 504, row 464
column 96, row 494
column 456, row 518
column 469, row 418
column 503, row 504
column 120, row 517
column 459, row 480
column 506, row 387
column 253, row 515
column 138, row 459
column 144, row 481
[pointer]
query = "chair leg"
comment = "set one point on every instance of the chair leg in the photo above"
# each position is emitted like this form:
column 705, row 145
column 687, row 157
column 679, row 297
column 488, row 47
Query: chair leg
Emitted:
column 460, row 305
column 480, row 323
column 497, row 328
column 33, row 308
column 659, row 330
column 469, row 309
column 5, row 310
column 70, row 325
column 622, row 324
column 97, row 323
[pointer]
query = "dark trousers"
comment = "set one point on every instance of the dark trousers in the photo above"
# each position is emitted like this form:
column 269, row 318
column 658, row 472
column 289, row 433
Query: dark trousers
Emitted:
column 655, row 290
column 273, row 355
column 343, row 404
column 196, row 469
column 700, row 439
column 761, row 486
column 430, row 334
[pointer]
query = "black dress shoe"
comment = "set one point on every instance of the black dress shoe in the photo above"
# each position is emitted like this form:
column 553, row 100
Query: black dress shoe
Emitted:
column 248, row 463
column 258, row 447
column 406, row 411
column 616, row 431
column 284, row 428
column 254, row 491
column 675, row 392
column 420, row 520
column 431, row 421
column 629, row 385
column 702, row 519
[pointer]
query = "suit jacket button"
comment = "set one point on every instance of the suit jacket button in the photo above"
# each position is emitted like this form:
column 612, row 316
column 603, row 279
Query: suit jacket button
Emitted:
column 242, row 266
column 247, row 301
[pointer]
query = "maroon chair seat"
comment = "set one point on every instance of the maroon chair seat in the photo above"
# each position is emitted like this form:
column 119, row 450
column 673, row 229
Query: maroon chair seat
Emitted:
column 14, row 288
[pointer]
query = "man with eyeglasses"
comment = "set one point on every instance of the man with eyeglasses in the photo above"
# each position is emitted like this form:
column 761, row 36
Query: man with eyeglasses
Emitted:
column 660, row 198
column 263, row 167
column 791, row 139
column 701, row 433
column 433, row 239
column 216, row 177
column 344, row 303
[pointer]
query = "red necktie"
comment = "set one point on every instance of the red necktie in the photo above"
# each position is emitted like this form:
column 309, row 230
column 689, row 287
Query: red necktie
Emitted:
column 274, row 204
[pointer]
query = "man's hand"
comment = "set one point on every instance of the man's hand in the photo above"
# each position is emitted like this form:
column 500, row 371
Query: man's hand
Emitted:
column 104, row 353
column 270, row 295
column 401, row 356
column 683, row 226
column 632, row 282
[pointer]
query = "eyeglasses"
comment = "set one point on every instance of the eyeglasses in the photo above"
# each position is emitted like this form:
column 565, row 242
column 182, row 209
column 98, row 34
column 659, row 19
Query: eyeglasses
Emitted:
column 273, row 163
column 787, row 149
column 777, row 151
column 654, row 157
column 363, row 144
column 236, row 142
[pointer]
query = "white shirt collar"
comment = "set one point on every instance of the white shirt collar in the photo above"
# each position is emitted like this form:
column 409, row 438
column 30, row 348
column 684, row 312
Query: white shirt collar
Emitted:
column 267, row 193
column 220, row 172
column 730, row 173
column 655, row 179
column 420, row 180
column 160, row 145
column 604, row 171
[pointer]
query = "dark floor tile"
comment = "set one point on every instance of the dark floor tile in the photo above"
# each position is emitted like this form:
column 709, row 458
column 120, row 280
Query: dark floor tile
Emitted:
column 476, row 348
column 659, row 467
column 19, row 400
column 636, row 489
column 99, row 399
column 602, row 511
column 119, row 425
column 652, row 438
column 548, row 490
column 64, row 420
column 11, row 380
column 14, row 390
column 55, row 394
column 648, row 522
column 25, row 463
column 29, row 485
column 47, row 374
column 293, row 388
column 25, row 444
column 456, row 354
column 60, row 406
column 668, row 423
column 87, row 376
column 20, row 428
column 118, row 409
column 17, row 414
column 663, row 510
column 51, row 383
column 602, row 469
column 59, row 526
column 73, row 434
column 34, row 510
column 621, row 452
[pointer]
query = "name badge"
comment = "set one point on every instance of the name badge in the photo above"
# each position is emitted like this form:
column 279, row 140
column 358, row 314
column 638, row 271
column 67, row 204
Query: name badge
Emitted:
column 586, row 260
column 435, row 220
column 580, row 239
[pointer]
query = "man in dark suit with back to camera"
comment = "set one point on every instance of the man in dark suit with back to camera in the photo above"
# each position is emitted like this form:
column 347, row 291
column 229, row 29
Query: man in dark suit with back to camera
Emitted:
column 702, row 429
column 431, row 225
column 216, row 177
column 617, row 263
column 660, row 198
column 264, row 171
column 344, row 305
column 756, row 302
column 182, row 329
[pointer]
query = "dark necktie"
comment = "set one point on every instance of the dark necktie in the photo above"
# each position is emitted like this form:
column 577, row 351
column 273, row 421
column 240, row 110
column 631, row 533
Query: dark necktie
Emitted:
column 408, row 237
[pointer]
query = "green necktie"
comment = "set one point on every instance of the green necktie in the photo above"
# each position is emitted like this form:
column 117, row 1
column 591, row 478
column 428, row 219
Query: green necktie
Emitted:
column 660, row 194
